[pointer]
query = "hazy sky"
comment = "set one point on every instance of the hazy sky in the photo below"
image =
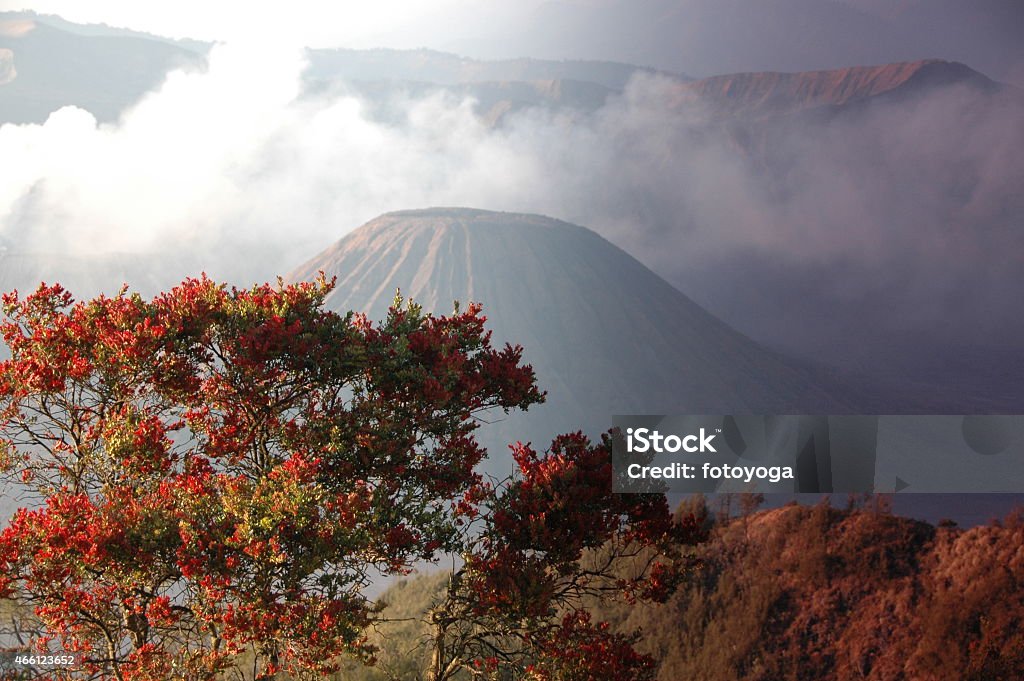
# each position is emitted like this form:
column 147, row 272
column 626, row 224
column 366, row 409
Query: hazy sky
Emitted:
column 316, row 23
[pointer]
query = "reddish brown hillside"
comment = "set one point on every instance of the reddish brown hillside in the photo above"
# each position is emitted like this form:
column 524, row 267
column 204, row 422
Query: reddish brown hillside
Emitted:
column 771, row 93
column 809, row 594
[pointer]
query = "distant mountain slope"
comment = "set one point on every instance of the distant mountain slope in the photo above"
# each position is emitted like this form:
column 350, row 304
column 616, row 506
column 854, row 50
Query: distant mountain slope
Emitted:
column 443, row 68
column 771, row 93
column 102, row 74
column 388, row 78
column 104, row 70
column 387, row 100
column 102, row 30
column 605, row 334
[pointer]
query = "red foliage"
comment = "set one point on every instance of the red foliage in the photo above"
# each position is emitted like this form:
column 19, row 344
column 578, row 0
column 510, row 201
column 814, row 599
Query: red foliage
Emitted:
column 562, row 505
column 554, row 538
column 221, row 468
column 578, row 650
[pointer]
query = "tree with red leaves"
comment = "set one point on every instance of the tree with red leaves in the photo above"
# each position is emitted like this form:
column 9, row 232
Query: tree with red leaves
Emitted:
column 215, row 475
column 548, row 542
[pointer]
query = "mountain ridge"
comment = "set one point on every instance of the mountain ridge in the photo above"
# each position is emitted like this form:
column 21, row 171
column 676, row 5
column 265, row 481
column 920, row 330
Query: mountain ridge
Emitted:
column 447, row 68
column 103, row 74
column 115, row 67
column 605, row 334
column 773, row 92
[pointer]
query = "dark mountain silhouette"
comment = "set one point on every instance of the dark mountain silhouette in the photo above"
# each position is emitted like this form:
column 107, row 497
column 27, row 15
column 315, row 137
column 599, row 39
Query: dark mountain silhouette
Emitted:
column 605, row 334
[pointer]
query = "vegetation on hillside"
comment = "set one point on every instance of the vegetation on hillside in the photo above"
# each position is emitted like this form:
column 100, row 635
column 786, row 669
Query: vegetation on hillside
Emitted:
column 813, row 593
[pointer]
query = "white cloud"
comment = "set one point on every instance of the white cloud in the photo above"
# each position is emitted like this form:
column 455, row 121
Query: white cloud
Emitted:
column 887, row 211
column 231, row 156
